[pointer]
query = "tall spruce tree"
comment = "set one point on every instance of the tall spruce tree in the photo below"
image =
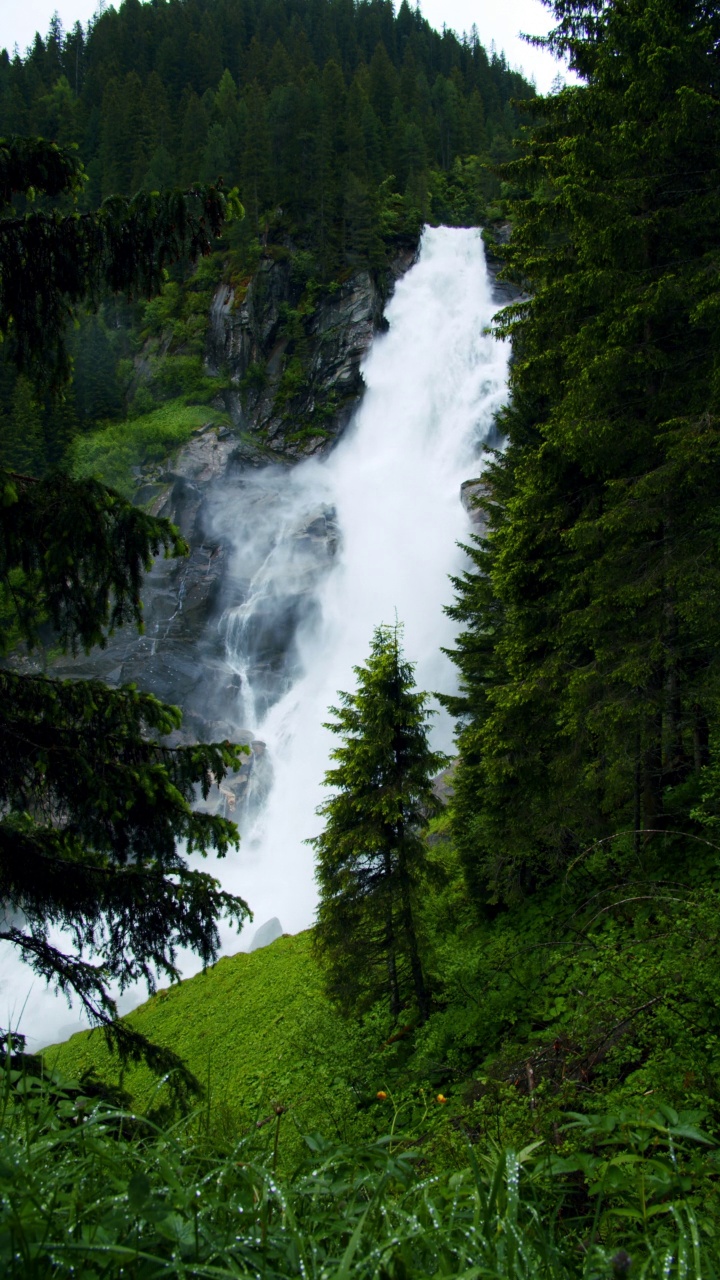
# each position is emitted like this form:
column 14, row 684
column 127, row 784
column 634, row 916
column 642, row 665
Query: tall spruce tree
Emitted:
column 589, row 654
column 22, row 444
column 94, row 807
column 371, row 854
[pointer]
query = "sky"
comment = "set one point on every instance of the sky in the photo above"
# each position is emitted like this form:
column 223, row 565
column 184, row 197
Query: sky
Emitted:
column 498, row 22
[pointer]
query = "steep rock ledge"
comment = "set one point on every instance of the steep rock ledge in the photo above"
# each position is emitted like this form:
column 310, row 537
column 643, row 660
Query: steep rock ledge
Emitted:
column 293, row 354
column 181, row 656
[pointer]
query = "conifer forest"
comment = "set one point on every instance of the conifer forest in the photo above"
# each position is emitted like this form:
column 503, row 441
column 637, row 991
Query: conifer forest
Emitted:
column 359, row 656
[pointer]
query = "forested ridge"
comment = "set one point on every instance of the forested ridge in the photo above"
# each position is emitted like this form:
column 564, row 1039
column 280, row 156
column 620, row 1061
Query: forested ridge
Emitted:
column 589, row 656
column 306, row 106
column 513, row 989
column 345, row 127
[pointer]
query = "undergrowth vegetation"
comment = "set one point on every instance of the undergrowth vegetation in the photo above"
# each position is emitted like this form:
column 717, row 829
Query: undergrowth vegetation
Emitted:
column 577, row 1029
column 89, row 1188
column 116, row 452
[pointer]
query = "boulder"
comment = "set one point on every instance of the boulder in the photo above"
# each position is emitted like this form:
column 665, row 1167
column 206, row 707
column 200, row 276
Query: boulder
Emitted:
column 267, row 933
column 472, row 493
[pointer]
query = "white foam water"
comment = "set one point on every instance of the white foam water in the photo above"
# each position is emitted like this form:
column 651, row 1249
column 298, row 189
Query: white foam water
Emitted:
column 434, row 382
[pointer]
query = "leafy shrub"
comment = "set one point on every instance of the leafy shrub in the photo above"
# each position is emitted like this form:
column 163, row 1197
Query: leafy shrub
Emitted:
column 292, row 382
column 184, row 375
column 113, row 452
column 87, row 1188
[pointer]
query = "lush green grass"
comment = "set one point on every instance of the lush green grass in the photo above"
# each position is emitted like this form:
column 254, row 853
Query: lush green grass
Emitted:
column 258, row 1033
column 543, row 1010
column 112, row 452
column 607, row 1010
column 90, row 1190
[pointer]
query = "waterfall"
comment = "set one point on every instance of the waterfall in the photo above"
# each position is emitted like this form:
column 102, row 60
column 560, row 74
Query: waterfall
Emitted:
column 390, row 492
column 325, row 552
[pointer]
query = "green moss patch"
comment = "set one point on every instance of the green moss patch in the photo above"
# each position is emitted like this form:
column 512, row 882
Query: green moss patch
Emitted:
column 112, row 453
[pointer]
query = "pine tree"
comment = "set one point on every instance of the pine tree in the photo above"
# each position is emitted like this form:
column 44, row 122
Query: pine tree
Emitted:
column 22, row 444
column 371, row 854
column 94, row 807
column 589, row 659
column 97, row 392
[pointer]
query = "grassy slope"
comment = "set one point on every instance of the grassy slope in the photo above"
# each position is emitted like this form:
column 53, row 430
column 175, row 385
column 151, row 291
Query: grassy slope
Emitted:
column 543, row 1011
column 259, row 1030
column 110, row 453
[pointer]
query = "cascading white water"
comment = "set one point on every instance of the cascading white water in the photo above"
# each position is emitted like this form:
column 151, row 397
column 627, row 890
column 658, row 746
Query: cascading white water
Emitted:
column 434, row 382
column 390, row 490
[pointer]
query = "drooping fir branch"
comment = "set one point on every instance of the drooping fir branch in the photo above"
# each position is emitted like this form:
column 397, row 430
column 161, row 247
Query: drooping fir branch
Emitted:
column 74, row 552
column 96, row 812
column 51, row 261
column 29, row 165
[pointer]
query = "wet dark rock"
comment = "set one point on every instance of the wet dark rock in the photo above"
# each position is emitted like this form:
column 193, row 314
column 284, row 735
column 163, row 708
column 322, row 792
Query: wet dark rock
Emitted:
column 249, row 339
column 494, row 238
column 472, row 493
column 181, row 658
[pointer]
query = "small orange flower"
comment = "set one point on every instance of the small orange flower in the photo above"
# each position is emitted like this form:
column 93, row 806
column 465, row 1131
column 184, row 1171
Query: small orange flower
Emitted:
column 381, row 1095
column 441, row 1097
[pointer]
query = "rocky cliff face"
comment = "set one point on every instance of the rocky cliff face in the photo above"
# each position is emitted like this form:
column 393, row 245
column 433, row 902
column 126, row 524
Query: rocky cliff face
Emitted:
column 225, row 619
column 294, row 381
column 293, row 353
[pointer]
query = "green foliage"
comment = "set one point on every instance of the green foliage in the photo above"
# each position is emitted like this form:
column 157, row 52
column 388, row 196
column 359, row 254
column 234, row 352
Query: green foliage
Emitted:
column 109, row 871
column 599, row 1000
column 639, row 1167
column 603, row 984
column 32, row 165
column 293, row 381
column 114, row 453
column 255, row 377
column 51, row 262
column 93, row 805
column 22, row 446
column 81, row 551
column 258, row 1031
column 587, row 653
column 340, row 124
column 86, row 1183
column 370, row 857
column 96, row 381
column 344, row 142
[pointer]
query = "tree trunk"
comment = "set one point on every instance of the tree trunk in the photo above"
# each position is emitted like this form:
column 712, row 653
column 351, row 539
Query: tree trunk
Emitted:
column 701, row 738
column 422, row 992
column 390, row 946
column 652, row 774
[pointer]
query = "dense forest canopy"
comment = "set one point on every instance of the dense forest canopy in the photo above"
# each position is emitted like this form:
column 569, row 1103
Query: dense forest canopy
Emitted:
column 308, row 106
column 590, row 657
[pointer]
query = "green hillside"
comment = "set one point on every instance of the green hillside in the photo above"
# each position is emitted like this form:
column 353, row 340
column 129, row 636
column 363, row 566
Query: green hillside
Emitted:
column 565, row 909
column 258, row 1032
column 575, row 999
